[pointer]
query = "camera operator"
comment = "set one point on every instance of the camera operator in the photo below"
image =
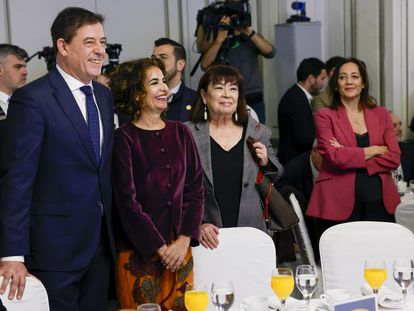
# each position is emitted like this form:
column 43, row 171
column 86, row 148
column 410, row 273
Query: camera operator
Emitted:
column 240, row 48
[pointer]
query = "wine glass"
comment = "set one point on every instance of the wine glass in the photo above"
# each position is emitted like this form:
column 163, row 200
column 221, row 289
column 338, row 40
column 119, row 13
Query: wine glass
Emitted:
column 149, row 307
column 196, row 297
column 282, row 284
column 375, row 273
column 222, row 294
column 306, row 281
column 411, row 186
column 396, row 175
column 403, row 273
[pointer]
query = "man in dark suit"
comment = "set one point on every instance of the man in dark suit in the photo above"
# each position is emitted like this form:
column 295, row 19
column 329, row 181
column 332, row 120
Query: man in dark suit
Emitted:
column 55, row 216
column 296, row 125
column 13, row 75
column 173, row 55
column 407, row 149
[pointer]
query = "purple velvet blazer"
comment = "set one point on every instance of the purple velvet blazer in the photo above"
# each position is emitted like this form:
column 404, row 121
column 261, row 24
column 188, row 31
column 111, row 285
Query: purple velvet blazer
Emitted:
column 158, row 187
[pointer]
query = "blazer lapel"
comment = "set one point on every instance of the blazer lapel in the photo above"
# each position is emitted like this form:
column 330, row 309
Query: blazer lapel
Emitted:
column 69, row 106
column 204, row 149
column 345, row 126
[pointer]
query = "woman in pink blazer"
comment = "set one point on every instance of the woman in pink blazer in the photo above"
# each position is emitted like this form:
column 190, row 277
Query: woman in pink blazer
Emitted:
column 359, row 150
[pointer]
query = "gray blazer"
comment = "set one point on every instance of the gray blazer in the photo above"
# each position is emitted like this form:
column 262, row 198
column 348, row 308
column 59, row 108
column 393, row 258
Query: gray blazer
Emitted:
column 250, row 211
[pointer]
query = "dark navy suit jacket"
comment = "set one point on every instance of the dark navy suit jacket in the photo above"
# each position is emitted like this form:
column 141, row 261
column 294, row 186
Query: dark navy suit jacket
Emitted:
column 53, row 194
column 296, row 124
column 179, row 108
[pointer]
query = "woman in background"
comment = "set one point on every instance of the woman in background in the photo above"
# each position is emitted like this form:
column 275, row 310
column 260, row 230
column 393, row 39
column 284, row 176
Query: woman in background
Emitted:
column 359, row 150
column 158, row 191
column 221, row 126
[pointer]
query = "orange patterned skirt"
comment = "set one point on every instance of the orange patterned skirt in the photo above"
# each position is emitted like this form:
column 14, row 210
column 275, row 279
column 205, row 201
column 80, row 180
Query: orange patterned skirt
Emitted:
column 142, row 282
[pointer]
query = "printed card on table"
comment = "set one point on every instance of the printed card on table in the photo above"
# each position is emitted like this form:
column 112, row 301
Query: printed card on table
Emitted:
column 366, row 303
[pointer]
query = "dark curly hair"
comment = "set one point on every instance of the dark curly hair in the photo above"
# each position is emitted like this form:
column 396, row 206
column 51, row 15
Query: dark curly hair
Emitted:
column 365, row 99
column 127, row 84
column 216, row 74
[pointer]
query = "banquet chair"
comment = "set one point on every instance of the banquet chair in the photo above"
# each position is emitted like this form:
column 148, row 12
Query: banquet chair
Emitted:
column 34, row 297
column 301, row 234
column 245, row 255
column 345, row 247
column 404, row 215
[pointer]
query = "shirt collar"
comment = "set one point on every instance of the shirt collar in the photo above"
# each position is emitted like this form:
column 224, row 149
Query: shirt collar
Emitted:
column 308, row 95
column 4, row 101
column 73, row 83
column 175, row 89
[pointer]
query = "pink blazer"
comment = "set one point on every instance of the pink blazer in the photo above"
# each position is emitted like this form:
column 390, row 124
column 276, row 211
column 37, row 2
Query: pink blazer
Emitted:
column 333, row 195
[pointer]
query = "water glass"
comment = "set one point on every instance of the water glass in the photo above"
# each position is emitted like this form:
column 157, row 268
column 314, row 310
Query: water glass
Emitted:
column 222, row 294
column 403, row 273
column 306, row 281
column 149, row 307
column 411, row 186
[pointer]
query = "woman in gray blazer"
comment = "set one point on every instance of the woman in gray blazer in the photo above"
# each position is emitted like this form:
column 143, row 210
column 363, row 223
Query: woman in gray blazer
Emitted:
column 221, row 126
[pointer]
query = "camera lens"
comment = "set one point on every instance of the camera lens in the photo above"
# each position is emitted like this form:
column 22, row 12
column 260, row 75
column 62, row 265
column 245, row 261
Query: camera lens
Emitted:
column 299, row 6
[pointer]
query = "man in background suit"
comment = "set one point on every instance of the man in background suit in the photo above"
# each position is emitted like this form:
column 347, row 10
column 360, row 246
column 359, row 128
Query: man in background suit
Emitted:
column 173, row 55
column 13, row 75
column 407, row 149
column 55, row 216
column 296, row 125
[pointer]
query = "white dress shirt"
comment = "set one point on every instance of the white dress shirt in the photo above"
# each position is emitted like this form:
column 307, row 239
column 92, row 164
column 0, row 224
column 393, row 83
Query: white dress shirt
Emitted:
column 4, row 101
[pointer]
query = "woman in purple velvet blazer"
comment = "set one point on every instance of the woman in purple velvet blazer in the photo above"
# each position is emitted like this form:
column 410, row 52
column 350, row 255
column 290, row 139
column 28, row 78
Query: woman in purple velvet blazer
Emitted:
column 158, row 190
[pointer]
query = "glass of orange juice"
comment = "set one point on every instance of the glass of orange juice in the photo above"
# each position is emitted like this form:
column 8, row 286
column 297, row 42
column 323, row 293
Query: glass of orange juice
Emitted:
column 282, row 283
column 375, row 273
column 196, row 297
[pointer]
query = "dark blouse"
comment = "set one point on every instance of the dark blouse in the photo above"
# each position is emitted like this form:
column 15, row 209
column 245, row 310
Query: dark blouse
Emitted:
column 367, row 188
column 227, row 167
column 158, row 186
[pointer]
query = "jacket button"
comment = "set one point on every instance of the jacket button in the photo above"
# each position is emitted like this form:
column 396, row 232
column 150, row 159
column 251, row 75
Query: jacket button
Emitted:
column 169, row 203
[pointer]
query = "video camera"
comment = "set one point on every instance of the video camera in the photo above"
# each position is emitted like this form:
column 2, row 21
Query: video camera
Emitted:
column 113, row 51
column 209, row 17
column 300, row 15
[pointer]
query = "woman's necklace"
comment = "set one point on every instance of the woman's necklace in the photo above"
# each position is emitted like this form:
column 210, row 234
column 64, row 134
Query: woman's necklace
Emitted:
column 355, row 118
column 227, row 140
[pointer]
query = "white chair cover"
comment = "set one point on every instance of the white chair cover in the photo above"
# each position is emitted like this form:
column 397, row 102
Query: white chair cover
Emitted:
column 300, row 231
column 345, row 247
column 245, row 255
column 34, row 297
column 404, row 214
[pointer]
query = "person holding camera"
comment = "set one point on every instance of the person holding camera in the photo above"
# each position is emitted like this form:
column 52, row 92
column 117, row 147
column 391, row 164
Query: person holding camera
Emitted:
column 240, row 47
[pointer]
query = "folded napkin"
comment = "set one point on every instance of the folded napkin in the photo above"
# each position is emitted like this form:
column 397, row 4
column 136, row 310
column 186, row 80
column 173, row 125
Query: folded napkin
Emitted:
column 386, row 297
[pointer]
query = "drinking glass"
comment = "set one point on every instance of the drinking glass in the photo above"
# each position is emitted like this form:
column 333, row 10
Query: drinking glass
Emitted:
column 403, row 273
column 196, row 297
column 306, row 281
column 222, row 294
column 375, row 273
column 149, row 307
column 282, row 284
column 411, row 186
column 396, row 175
